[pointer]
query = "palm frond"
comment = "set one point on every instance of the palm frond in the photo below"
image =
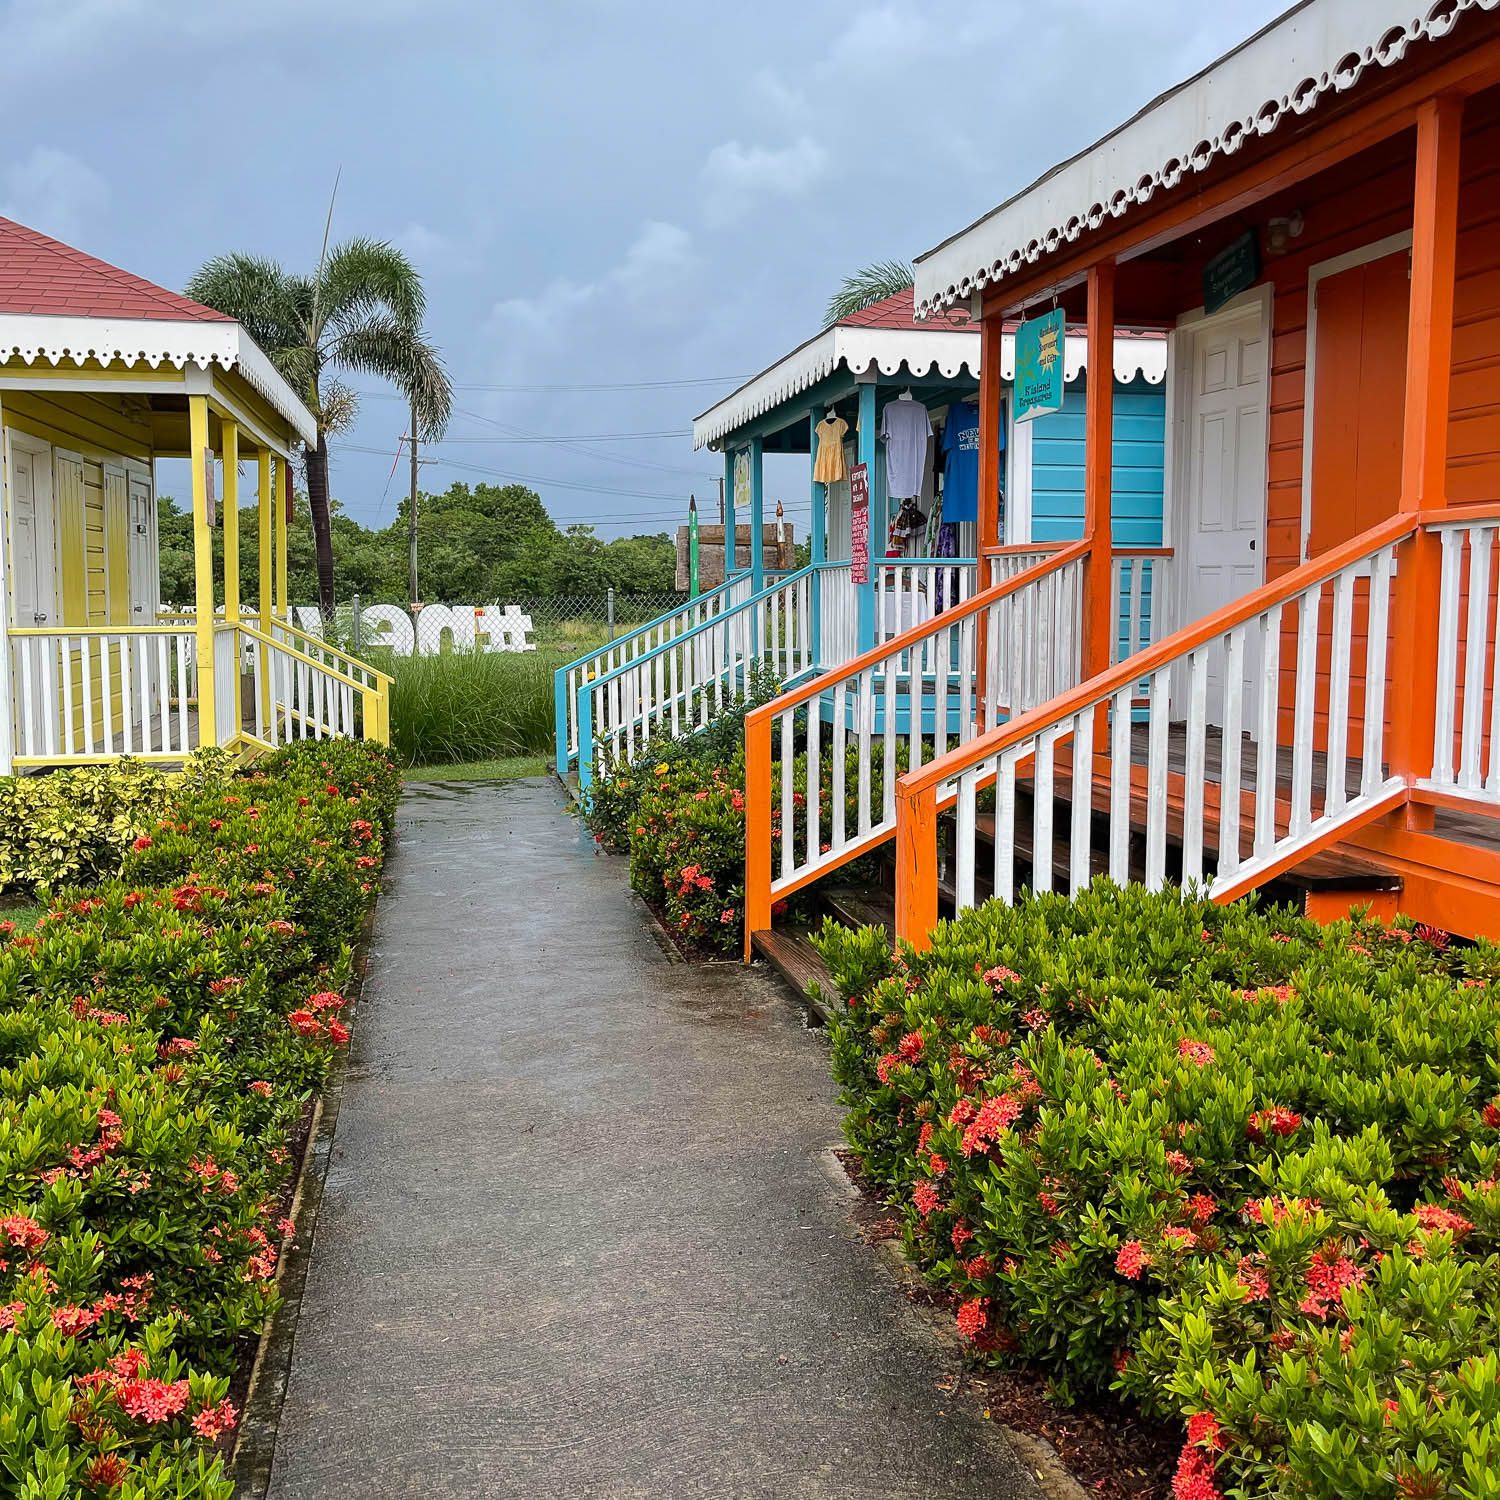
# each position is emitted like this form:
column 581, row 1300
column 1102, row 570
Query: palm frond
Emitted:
column 389, row 348
column 867, row 286
column 254, row 291
column 364, row 277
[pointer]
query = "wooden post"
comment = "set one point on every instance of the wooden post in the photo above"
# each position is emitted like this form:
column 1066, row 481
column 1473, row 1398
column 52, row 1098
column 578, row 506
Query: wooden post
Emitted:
column 1429, row 360
column 916, row 865
column 757, row 515
column 1098, row 471
column 758, row 825
column 199, row 455
column 229, row 447
column 990, row 418
column 283, row 605
column 991, row 338
column 263, row 592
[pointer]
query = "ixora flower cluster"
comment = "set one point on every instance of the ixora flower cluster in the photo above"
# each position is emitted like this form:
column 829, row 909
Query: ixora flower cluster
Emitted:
column 1241, row 1170
column 162, row 1033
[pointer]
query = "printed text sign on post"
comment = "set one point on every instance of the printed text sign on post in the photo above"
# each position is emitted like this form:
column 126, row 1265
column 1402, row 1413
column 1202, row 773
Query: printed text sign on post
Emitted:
column 859, row 521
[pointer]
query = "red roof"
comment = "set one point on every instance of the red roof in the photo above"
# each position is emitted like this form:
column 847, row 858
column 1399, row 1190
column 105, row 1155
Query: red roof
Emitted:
column 898, row 312
column 42, row 275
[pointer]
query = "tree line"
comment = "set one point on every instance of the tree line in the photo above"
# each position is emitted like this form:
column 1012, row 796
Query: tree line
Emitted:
column 475, row 545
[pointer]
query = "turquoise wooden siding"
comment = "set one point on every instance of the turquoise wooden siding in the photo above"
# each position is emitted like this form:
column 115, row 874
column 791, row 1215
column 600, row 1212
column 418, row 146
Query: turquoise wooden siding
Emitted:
column 1139, row 466
column 1139, row 457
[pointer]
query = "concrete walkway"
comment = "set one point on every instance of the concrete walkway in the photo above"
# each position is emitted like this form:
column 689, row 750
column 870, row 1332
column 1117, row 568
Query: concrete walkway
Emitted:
column 579, row 1237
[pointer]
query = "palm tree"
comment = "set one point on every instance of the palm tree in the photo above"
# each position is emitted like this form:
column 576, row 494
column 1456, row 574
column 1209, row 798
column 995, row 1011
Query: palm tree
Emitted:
column 362, row 312
column 867, row 286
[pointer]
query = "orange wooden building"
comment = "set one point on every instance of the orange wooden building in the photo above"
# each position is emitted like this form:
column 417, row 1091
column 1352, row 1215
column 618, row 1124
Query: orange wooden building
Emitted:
column 1315, row 221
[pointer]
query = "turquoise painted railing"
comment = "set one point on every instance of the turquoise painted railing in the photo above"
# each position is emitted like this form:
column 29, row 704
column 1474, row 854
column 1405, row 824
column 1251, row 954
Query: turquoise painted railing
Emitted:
column 627, row 647
column 678, row 684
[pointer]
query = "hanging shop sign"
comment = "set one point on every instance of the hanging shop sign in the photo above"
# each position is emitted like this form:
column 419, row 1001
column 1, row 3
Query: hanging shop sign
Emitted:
column 859, row 523
column 1233, row 270
column 1039, row 365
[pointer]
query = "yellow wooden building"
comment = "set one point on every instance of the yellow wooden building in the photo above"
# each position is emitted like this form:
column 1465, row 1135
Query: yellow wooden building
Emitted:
column 101, row 374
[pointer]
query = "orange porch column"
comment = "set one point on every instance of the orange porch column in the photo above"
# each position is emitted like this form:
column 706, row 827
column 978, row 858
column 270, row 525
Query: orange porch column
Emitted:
column 1098, row 470
column 991, row 335
column 1429, row 360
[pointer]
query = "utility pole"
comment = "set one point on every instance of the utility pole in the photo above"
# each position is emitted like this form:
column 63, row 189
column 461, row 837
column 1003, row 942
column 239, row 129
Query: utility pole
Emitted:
column 412, row 517
column 721, row 509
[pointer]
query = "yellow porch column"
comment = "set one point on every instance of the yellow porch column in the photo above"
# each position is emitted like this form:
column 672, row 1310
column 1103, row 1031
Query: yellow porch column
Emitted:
column 283, row 608
column 203, row 566
column 264, row 598
column 229, row 446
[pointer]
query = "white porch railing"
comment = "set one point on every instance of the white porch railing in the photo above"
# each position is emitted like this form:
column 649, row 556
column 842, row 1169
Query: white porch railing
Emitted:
column 630, row 646
column 917, row 688
column 911, row 592
column 96, row 693
column 297, row 696
column 1466, row 731
column 678, row 684
column 838, row 615
column 1232, row 664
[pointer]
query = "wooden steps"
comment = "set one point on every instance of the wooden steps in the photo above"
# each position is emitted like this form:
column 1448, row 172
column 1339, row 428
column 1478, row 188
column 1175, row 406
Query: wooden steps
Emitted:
column 789, row 949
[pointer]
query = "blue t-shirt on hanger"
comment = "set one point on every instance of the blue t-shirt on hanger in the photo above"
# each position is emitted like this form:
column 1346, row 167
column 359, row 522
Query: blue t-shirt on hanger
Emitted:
column 961, row 462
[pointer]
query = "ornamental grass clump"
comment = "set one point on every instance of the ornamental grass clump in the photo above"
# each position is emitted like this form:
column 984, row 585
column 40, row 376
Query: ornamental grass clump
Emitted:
column 1237, row 1168
column 160, row 1035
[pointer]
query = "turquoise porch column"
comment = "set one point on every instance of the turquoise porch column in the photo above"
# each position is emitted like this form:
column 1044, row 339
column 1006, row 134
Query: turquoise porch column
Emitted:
column 817, row 535
column 877, row 544
column 757, row 514
column 728, row 514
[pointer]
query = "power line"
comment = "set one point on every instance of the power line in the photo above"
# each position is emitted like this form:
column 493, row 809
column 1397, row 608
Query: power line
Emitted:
column 582, row 437
column 613, row 385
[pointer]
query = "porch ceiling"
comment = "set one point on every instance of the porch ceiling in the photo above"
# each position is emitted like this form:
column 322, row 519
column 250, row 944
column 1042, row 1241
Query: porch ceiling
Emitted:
column 1320, row 48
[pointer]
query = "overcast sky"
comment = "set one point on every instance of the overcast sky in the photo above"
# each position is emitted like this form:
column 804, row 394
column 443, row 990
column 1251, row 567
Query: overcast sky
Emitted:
column 650, row 197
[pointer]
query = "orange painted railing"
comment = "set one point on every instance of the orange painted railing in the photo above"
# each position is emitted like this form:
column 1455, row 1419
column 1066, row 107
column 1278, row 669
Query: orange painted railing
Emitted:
column 1015, row 643
column 1242, row 640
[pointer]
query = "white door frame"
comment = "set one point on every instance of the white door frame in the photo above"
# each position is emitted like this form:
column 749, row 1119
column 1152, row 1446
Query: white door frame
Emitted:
column 1375, row 250
column 1175, row 520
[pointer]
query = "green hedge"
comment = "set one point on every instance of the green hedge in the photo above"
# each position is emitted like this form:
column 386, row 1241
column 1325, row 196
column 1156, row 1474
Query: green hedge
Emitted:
column 160, row 1034
column 1233, row 1166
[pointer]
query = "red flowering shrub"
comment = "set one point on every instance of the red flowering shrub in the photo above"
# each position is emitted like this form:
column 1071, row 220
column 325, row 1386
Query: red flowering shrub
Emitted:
column 150, row 1077
column 1234, row 1165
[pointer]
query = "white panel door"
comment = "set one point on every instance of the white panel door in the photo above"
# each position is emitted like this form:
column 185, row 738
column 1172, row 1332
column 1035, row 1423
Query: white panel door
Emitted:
column 33, row 540
column 142, row 550
column 33, row 589
column 1222, row 513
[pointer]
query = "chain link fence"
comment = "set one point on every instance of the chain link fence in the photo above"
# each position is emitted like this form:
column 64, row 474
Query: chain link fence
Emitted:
column 563, row 625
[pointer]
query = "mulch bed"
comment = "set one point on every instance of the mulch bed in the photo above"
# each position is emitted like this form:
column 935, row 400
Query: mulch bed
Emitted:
column 1109, row 1448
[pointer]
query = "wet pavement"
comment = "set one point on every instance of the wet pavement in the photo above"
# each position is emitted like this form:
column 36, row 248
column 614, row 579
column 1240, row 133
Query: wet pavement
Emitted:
column 580, row 1235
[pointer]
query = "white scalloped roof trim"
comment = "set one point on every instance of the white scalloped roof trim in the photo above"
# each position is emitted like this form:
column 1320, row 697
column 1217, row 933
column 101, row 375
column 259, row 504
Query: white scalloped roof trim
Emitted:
column 1322, row 47
column 920, row 351
column 153, row 342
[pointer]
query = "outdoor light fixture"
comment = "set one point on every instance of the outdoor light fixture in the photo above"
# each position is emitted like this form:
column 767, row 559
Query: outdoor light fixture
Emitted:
column 1281, row 232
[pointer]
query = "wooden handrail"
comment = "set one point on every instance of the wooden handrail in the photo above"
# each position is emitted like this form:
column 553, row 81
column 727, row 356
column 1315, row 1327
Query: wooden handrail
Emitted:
column 323, row 667
column 96, row 630
column 917, row 634
column 1099, row 687
column 323, row 645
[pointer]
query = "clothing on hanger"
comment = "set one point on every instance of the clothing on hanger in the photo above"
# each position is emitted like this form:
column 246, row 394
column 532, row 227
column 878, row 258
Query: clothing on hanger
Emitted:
column 905, row 426
column 829, row 466
column 908, row 527
column 961, row 462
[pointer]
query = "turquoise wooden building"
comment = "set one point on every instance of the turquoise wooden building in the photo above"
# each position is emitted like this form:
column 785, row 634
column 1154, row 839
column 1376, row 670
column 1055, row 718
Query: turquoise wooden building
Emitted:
column 675, row 669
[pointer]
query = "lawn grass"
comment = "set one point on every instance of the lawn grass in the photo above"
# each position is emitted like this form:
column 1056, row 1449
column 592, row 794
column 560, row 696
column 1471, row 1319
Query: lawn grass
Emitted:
column 506, row 768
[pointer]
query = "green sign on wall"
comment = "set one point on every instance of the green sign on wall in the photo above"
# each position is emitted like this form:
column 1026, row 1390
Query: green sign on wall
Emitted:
column 1040, row 344
column 1235, row 268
